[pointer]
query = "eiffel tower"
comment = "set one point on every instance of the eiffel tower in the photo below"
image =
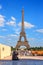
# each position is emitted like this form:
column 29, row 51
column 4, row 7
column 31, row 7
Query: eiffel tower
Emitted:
column 22, row 34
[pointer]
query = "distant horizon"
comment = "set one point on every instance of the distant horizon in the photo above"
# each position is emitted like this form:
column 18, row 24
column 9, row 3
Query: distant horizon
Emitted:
column 11, row 18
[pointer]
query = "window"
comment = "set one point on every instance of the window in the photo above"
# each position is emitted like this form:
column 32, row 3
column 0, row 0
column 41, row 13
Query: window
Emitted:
column 3, row 49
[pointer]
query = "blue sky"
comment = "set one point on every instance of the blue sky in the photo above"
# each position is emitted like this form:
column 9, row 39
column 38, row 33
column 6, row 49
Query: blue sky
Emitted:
column 11, row 18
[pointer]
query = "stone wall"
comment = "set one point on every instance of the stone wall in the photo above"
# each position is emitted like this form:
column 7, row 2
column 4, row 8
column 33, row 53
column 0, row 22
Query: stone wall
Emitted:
column 4, row 51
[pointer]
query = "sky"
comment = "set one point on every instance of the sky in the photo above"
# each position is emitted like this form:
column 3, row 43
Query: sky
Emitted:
column 11, row 18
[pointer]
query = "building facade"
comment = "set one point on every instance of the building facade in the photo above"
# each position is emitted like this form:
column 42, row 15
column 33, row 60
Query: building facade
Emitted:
column 4, row 51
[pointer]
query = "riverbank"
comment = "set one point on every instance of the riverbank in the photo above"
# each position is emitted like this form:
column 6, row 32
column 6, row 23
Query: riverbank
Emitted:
column 25, row 57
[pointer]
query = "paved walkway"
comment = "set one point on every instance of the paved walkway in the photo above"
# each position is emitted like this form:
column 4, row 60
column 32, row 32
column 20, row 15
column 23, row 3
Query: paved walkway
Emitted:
column 31, row 57
column 8, row 58
column 25, row 57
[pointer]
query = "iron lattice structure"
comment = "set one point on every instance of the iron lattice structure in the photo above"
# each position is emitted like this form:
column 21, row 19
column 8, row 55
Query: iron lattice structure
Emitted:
column 22, row 34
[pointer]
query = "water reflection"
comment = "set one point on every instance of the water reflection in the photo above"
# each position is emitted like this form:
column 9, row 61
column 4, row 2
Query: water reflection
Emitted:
column 27, row 62
column 15, row 62
column 22, row 62
column 19, row 63
column 5, row 63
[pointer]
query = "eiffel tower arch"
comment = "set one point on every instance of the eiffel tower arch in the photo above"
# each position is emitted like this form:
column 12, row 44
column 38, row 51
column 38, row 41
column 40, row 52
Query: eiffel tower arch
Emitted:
column 22, row 34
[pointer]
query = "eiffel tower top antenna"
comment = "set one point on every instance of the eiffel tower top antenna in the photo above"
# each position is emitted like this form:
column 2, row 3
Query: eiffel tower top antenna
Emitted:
column 22, row 19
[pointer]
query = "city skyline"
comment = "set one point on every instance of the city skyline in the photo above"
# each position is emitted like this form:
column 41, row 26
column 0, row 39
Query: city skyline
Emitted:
column 11, row 18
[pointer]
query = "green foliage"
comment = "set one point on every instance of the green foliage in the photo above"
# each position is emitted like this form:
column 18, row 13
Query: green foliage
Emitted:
column 12, row 48
column 36, row 48
column 32, row 48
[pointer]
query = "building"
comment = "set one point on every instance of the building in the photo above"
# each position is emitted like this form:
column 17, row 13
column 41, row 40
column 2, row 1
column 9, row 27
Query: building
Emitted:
column 4, row 51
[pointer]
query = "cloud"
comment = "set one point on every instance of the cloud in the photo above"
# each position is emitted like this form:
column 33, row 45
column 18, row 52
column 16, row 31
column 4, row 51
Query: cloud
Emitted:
column 2, row 19
column 11, row 38
column 0, row 6
column 11, row 23
column 31, row 39
column 27, row 25
column 1, row 36
column 40, row 30
column 13, row 18
column 4, row 29
column 13, row 35
column 17, row 31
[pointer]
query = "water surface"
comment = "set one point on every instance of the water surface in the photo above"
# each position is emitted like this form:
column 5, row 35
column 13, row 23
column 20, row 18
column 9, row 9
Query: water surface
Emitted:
column 22, row 62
